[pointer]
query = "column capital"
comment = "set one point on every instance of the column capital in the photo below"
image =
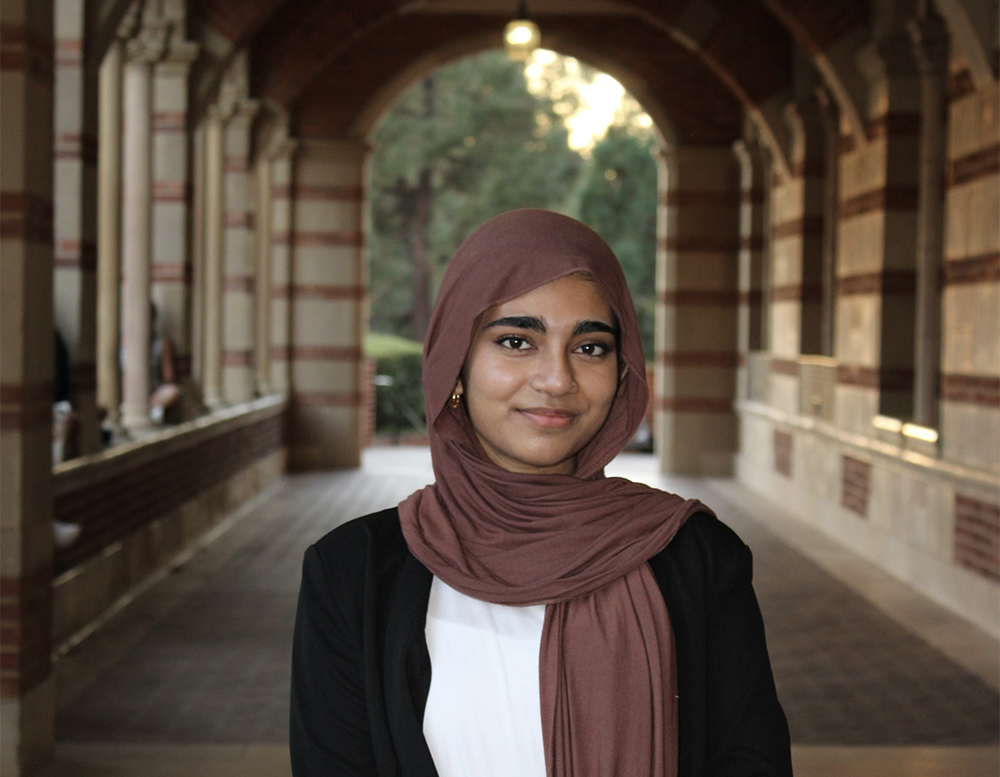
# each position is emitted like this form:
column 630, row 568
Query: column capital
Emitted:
column 243, row 111
column 283, row 148
column 149, row 44
column 930, row 43
column 178, row 57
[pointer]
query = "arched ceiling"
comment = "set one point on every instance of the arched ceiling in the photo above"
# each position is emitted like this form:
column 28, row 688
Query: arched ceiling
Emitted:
column 702, row 62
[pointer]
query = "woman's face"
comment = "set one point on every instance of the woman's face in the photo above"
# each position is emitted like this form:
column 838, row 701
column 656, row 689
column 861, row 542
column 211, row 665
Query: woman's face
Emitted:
column 541, row 375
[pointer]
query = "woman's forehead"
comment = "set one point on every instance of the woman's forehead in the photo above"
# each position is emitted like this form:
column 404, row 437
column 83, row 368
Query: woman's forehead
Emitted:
column 571, row 296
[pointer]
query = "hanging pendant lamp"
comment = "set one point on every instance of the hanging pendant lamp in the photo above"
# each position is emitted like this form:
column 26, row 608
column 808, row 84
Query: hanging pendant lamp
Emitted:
column 521, row 36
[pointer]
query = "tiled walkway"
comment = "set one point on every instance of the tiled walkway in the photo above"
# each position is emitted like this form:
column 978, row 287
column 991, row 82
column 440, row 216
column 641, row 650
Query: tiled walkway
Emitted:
column 192, row 677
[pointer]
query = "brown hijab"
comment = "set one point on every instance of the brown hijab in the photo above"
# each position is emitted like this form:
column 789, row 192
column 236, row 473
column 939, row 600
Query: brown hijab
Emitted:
column 577, row 543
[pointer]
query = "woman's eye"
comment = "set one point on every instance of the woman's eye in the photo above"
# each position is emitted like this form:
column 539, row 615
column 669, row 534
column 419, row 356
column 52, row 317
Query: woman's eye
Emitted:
column 513, row 342
column 593, row 349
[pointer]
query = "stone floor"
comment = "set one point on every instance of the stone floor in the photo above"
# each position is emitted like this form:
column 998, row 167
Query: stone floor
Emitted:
column 191, row 677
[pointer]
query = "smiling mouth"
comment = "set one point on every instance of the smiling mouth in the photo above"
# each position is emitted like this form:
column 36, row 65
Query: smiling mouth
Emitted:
column 548, row 417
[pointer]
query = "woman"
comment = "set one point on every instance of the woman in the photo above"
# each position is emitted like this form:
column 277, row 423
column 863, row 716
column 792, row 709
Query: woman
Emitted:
column 526, row 615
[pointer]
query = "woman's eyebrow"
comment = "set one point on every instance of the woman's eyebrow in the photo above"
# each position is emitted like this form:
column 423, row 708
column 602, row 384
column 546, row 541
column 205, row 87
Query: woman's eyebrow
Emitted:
column 519, row 322
column 593, row 326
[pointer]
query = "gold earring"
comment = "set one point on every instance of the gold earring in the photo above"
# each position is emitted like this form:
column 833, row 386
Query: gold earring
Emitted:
column 456, row 400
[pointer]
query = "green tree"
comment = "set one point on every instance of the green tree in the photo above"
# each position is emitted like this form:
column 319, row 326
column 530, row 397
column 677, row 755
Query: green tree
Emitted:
column 618, row 200
column 463, row 145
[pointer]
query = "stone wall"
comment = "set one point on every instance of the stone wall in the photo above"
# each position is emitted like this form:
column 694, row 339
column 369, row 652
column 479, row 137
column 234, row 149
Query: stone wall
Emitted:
column 141, row 504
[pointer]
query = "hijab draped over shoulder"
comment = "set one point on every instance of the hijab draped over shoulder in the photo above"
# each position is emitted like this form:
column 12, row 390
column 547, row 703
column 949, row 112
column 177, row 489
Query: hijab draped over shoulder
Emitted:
column 577, row 543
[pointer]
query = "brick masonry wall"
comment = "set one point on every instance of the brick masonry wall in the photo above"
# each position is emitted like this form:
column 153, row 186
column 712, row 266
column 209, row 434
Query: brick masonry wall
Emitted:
column 856, row 485
column 977, row 536
column 783, row 453
column 108, row 509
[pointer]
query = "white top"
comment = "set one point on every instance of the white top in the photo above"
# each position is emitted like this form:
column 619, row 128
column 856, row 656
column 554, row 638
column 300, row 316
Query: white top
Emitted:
column 483, row 714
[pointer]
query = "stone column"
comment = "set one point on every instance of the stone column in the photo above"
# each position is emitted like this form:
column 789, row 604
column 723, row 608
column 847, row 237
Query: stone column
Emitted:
column 27, row 690
column 136, row 213
column 796, row 290
column 238, row 260
column 213, row 231
column 930, row 39
column 171, row 269
column 876, row 250
column 109, row 202
column 327, row 296
column 697, row 286
column 262, row 300
column 281, row 266
column 752, row 160
column 76, row 216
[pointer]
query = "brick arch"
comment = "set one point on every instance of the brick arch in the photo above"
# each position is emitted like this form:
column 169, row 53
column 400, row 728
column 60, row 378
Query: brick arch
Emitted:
column 298, row 48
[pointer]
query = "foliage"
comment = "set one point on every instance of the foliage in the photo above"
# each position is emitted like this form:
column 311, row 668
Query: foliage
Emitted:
column 465, row 144
column 618, row 200
column 380, row 345
column 399, row 406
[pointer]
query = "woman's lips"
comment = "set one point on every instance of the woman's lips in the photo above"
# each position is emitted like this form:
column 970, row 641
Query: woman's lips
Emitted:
column 548, row 417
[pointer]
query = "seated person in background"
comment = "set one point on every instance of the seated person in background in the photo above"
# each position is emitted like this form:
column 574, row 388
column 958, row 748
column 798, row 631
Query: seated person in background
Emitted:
column 165, row 401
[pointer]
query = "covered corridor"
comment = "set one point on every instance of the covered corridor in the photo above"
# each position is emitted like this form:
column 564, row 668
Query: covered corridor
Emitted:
column 196, row 172
column 192, row 677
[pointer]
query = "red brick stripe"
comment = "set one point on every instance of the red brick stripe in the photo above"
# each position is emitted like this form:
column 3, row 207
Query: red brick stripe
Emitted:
column 753, row 196
column 972, row 269
column 238, row 219
column 239, row 284
column 319, row 239
column 722, row 359
column 702, row 199
column 755, row 297
column 878, row 200
column 700, row 298
column 810, row 292
column 884, row 378
column 169, row 121
column 25, row 631
column 76, row 255
column 236, row 358
column 974, row 166
column 24, row 49
column 785, row 366
column 236, row 164
column 982, row 390
column 695, row 405
column 701, row 244
column 68, row 52
column 25, row 406
column 170, row 191
column 26, row 216
column 327, row 398
column 752, row 243
column 894, row 124
column 809, row 168
column 318, row 192
column 318, row 291
column 977, row 536
column 885, row 282
column 806, row 225
column 322, row 353
column 171, row 272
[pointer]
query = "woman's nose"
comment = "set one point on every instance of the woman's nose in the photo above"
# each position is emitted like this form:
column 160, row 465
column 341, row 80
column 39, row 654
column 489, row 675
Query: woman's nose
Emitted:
column 554, row 375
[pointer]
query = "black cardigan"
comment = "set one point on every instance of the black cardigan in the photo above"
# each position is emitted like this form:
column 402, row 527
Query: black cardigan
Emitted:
column 361, row 671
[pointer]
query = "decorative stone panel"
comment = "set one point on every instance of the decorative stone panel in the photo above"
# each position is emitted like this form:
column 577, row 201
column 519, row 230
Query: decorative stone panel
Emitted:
column 856, row 485
column 977, row 536
column 783, row 453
